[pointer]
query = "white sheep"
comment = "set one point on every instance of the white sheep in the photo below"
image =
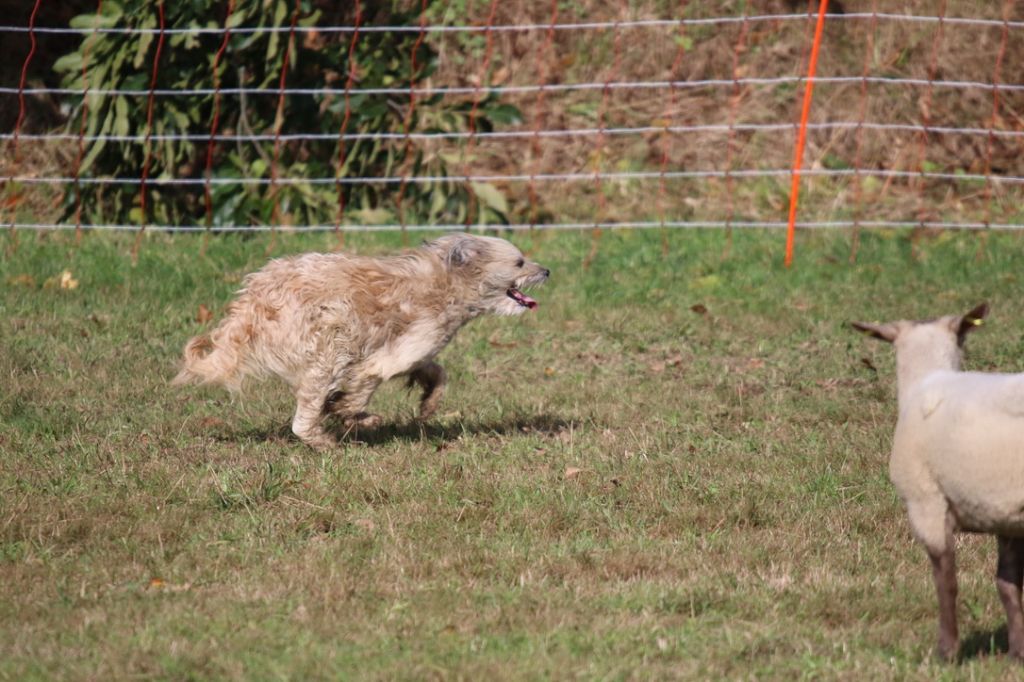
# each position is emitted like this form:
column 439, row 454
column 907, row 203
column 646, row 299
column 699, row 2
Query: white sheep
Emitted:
column 958, row 459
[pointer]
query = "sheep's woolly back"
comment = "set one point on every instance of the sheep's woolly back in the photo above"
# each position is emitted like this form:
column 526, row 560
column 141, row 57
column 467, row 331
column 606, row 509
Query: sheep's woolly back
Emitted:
column 960, row 435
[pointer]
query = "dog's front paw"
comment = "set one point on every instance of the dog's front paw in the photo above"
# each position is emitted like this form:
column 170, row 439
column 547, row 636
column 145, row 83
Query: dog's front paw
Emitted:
column 320, row 442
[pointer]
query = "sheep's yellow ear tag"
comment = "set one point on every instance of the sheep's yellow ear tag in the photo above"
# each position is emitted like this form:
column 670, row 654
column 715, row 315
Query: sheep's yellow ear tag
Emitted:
column 977, row 321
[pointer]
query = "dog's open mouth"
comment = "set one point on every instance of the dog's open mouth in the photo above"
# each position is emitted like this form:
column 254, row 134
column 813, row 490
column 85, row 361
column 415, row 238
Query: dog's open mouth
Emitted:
column 521, row 298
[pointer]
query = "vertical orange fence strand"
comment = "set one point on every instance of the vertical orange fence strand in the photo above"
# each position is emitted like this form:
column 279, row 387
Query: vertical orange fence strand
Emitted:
column 730, row 143
column 342, row 152
column 13, row 201
column 215, row 121
column 407, row 123
column 24, row 74
column 80, row 153
column 925, row 105
column 602, row 113
column 467, row 151
column 274, row 191
column 794, row 192
column 993, row 122
column 667, row 119
column 543, row 73
column 149, row 133
column 858, row 189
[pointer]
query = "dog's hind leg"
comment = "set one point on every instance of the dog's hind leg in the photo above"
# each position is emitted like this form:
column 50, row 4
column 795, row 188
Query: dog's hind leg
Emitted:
column 350, row 404
column 431, row 378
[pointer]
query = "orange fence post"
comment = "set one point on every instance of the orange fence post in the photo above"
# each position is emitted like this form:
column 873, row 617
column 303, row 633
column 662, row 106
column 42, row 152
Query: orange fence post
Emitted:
column 801, row 137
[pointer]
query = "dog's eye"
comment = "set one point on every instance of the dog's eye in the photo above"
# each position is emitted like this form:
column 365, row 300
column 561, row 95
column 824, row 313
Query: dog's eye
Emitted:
column 520, row 263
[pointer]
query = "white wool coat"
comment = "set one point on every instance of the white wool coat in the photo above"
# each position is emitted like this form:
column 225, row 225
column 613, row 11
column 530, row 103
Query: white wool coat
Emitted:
column 959, row 445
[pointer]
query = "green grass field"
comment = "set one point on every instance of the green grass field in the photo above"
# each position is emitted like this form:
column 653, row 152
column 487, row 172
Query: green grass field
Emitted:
column 675, row 468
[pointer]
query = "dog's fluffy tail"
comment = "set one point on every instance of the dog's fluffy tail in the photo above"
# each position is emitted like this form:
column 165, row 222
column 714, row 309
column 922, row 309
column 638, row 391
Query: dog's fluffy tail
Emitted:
column 217, row 357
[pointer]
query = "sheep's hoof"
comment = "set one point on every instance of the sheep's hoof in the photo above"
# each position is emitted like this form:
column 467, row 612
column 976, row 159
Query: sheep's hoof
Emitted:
column 946, row 652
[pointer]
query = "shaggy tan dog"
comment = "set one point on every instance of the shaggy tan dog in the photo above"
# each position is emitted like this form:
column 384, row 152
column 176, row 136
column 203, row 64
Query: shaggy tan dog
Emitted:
column 335, row 326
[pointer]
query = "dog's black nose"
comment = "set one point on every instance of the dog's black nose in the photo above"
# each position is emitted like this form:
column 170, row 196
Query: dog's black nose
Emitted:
column 547, row 273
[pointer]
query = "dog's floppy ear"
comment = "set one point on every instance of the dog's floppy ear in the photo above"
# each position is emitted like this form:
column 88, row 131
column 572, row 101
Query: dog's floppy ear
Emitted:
column 456, row 250
column 885, row 332
column 463, row 251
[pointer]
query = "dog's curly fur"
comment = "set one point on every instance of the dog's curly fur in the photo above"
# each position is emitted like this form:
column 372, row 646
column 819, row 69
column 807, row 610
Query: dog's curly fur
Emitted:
column 335, row 326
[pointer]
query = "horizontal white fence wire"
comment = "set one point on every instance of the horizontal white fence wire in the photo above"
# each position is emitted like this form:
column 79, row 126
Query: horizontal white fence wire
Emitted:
column 504, row 28
column 527, row 177
column 521, row 89
column 671, row 86
column 524, row 227
column 524, row 134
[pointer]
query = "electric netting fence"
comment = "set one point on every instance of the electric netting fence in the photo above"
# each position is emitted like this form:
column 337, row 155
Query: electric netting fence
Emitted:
column 520, row 116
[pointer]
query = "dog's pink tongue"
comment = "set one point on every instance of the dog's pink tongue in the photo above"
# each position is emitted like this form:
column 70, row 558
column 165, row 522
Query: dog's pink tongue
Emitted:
column 522, row 299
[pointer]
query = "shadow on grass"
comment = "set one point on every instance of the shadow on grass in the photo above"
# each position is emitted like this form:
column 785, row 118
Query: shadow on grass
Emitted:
column 543, row 424
column 983, row 643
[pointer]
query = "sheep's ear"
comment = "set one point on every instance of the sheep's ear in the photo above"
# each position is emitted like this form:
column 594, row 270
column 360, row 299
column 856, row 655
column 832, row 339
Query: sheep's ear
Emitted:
column 885, row 332
column 970, row 321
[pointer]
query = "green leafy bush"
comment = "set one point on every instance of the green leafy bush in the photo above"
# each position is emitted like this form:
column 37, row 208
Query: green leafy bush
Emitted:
column 255, row 60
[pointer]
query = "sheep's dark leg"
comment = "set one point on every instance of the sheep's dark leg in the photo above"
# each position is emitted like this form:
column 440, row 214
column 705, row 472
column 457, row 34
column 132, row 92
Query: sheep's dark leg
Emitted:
column 944, row 572
column 1009, row 577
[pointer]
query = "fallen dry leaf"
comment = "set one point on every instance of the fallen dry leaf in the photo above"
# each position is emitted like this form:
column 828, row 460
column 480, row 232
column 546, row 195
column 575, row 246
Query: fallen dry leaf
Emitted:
column 496, row 343
column 572, row 472
column 67, row 281
column 161, row 584
column 64, row 281
column 204, row 315
column 699, row 308
column 500, row 76
column 210, row 422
